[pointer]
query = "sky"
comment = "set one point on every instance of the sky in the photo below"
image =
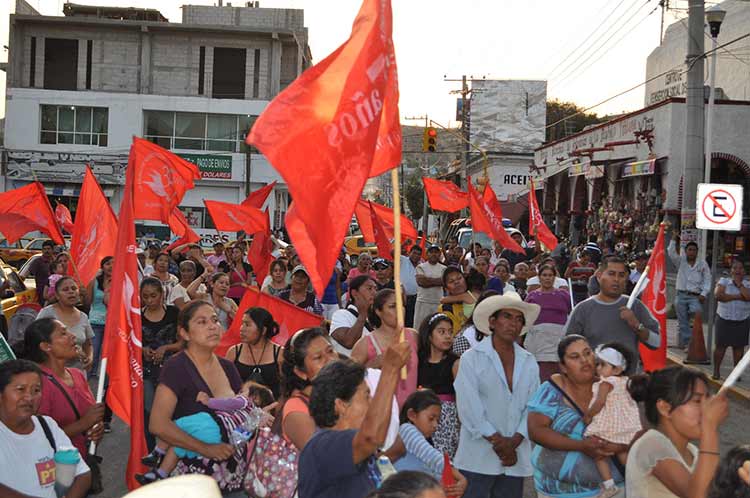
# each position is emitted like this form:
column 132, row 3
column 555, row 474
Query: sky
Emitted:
column 588, row 50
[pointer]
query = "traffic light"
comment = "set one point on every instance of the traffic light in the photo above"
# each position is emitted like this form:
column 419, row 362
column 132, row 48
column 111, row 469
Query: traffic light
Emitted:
column 429, row 140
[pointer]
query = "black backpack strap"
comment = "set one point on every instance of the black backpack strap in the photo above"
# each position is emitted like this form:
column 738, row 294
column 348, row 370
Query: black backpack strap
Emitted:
column 52, row 379
column 47, row 432
column 356, row 315
column 276, row 351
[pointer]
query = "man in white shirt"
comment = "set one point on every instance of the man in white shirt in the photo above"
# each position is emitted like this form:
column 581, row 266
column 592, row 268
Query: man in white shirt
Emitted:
column 693, row 285
column 350, row 323
column 429, row 277
column 409, row 281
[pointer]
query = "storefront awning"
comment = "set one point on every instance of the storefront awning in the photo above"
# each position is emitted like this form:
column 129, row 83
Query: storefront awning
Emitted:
column 639, row 168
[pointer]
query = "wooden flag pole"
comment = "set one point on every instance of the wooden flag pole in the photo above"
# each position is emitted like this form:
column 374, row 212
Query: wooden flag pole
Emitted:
column 397, row 258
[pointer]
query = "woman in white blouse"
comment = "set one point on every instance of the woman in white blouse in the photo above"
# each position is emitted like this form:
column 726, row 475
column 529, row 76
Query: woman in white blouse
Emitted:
column 733, row 320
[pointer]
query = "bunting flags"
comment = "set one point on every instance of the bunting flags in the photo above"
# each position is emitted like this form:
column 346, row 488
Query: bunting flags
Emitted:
column 331, row 129
column 487, row 217
column 258, row 198
column 289, row 317
column 445, row 195
column 655, row 299
column 381, row 237
column 537, row 228
column 235, row 217
column 161, row 180
column 122, row 336
column 25, row 210
column 260, row 254
column 63, row 217
column 94, row 234
column 385, row 214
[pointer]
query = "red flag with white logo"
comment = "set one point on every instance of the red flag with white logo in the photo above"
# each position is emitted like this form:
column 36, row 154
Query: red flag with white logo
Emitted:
column 537, row 227
column 160, row 181
column 655, row 299
column 289, row 317
column 385, row 214
column 258, row 198
column 260, row 254
column 445, row 195
column 487, row 217
column 27, row 209
column 122, row 337
column 95, row 230
column 331, row 129
column 382, row 239
column 235, row 217
column 64, row 219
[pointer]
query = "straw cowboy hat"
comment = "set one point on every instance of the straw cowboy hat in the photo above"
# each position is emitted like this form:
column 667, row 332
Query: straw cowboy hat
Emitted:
column 185, row 486
column 509, row 300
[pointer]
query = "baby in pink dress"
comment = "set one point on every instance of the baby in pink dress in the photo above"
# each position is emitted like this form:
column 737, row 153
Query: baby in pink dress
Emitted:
column 613, row 414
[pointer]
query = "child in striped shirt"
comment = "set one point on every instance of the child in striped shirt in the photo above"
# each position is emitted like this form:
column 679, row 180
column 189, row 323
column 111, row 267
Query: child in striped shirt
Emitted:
column 419, row 420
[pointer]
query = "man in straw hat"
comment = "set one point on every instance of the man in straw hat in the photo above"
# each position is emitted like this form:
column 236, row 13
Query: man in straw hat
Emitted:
column 495, row 381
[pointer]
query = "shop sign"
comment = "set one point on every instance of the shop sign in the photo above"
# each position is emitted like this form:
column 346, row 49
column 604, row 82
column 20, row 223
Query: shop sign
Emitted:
column 211, row 166
column 594, row 171
column 639, row 168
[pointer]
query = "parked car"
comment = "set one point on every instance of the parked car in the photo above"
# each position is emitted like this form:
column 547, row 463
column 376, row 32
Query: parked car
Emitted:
column 356, row 245
column 16, row 295
column 464, row 237
column 17, row 256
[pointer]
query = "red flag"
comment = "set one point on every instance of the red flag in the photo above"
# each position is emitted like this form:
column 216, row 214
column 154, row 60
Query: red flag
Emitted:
column 447, row 478
column 94, row 234
column 63, row 217
column 331, row 129
column 258, row 198
column 25, row 210
column 362, row 211
column 289, row 317
column 179, row 226
column 655, row 299
column 382, row 239
column 161, row 180
column 235, row 217
column 487, row 217
column 445, row 195
column 122, row 336
column 260, row 254
column 537, row 227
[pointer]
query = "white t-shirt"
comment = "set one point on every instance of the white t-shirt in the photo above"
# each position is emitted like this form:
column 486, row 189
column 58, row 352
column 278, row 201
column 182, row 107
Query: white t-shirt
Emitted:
column 372, row 378
column 26, row 460
column 178, row 291
column 559, row 282
column 344, row 318
column 430, row 294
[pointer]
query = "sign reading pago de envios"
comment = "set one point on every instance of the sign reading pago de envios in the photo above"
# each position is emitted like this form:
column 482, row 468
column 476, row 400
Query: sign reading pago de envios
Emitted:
column 719, row 207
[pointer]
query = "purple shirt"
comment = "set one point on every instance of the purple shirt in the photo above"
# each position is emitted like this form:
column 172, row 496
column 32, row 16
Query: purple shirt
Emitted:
column 555, row 305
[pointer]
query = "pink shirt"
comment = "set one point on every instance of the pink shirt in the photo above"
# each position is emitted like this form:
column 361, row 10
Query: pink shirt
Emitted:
column 55, row 405
column 354, row 272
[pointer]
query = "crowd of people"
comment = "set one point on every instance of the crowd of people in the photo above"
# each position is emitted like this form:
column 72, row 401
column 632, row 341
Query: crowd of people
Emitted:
column 509, row 366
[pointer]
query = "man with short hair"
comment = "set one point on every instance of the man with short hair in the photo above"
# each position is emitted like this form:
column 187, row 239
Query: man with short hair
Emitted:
column 693, row 285
column 383, row 274
column 514, row 257
column 605, row 318
column 218, row 255
column 429, row 276
column 348, row 325
column 409, row 281
column 40, row 268
column 640, row 260
column 152, row 251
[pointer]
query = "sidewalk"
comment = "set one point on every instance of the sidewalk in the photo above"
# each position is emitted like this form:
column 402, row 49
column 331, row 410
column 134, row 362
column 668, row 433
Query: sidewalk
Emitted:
column 741, row 389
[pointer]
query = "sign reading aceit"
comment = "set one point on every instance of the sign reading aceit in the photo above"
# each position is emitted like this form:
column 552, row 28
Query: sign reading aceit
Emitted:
column 211, row 166
column 719, row 207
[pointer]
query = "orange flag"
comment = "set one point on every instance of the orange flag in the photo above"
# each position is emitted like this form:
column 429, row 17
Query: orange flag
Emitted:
column 161, row 180
column 27, row 209
column 258, row 198
column 385, row 214
column 487, row 217
column 445, row 195
column 63, row 217
column 382, row 239
column 260, row 254
column 537, row 227
column 235, row 217
column 655, row 299
column 122, row 336
column 95, row 231
column 289, row 317
column 331, row 129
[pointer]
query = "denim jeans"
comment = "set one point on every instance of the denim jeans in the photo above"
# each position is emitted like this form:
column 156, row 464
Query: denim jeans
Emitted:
column 488, row 486
column 685, row 305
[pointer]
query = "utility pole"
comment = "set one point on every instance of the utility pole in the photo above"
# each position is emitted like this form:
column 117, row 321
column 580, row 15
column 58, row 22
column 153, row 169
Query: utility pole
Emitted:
column 693, row 167
column 464, row 92
column 426, row 168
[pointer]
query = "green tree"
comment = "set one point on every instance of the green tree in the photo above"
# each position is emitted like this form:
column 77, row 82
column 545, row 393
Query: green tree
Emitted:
column 557, row 111
column 414, row 193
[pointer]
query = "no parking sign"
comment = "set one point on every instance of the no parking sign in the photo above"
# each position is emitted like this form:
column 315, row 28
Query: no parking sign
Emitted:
column 719, row 207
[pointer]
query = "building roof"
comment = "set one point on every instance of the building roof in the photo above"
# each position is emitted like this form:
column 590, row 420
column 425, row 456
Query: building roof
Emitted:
column 120, row 13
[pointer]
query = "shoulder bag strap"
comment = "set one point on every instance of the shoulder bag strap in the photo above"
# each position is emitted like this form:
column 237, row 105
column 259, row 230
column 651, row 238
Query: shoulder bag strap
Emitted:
column 568, row 398
column 47, row 432
column 65, row 393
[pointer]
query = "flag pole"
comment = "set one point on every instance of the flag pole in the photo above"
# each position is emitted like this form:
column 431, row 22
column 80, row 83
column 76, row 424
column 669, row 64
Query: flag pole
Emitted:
column 99, row 394
column 397, row 258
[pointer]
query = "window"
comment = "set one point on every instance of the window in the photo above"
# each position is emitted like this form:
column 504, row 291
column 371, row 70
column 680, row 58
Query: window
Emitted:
column 62, row 124
column 229, row 73
column 198, row 131
column 60, row 64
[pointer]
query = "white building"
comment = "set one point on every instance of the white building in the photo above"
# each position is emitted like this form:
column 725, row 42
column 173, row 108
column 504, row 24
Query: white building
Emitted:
column 79, row 87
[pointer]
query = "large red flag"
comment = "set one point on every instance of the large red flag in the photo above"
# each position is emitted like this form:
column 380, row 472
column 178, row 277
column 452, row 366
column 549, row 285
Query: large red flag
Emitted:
column 382, row 239
column 537, row 227
column 179, row 226
column 122, row 336
column 63, row 217
column 487, row 217
column 445, row 195
column 655, row 299
column 25, row 210
column 235, row 217
column 331, row 129
column 362, row 211
column 289, row 317
column 161, row 180
column 258, row 198
column 94, row 234
column 260, row 254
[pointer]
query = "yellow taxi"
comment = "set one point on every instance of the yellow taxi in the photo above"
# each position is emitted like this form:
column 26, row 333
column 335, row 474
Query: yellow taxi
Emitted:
column 16, row 294
column 356, row 245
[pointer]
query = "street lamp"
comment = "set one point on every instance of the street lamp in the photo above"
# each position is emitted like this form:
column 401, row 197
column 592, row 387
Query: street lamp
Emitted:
column 714, row 17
